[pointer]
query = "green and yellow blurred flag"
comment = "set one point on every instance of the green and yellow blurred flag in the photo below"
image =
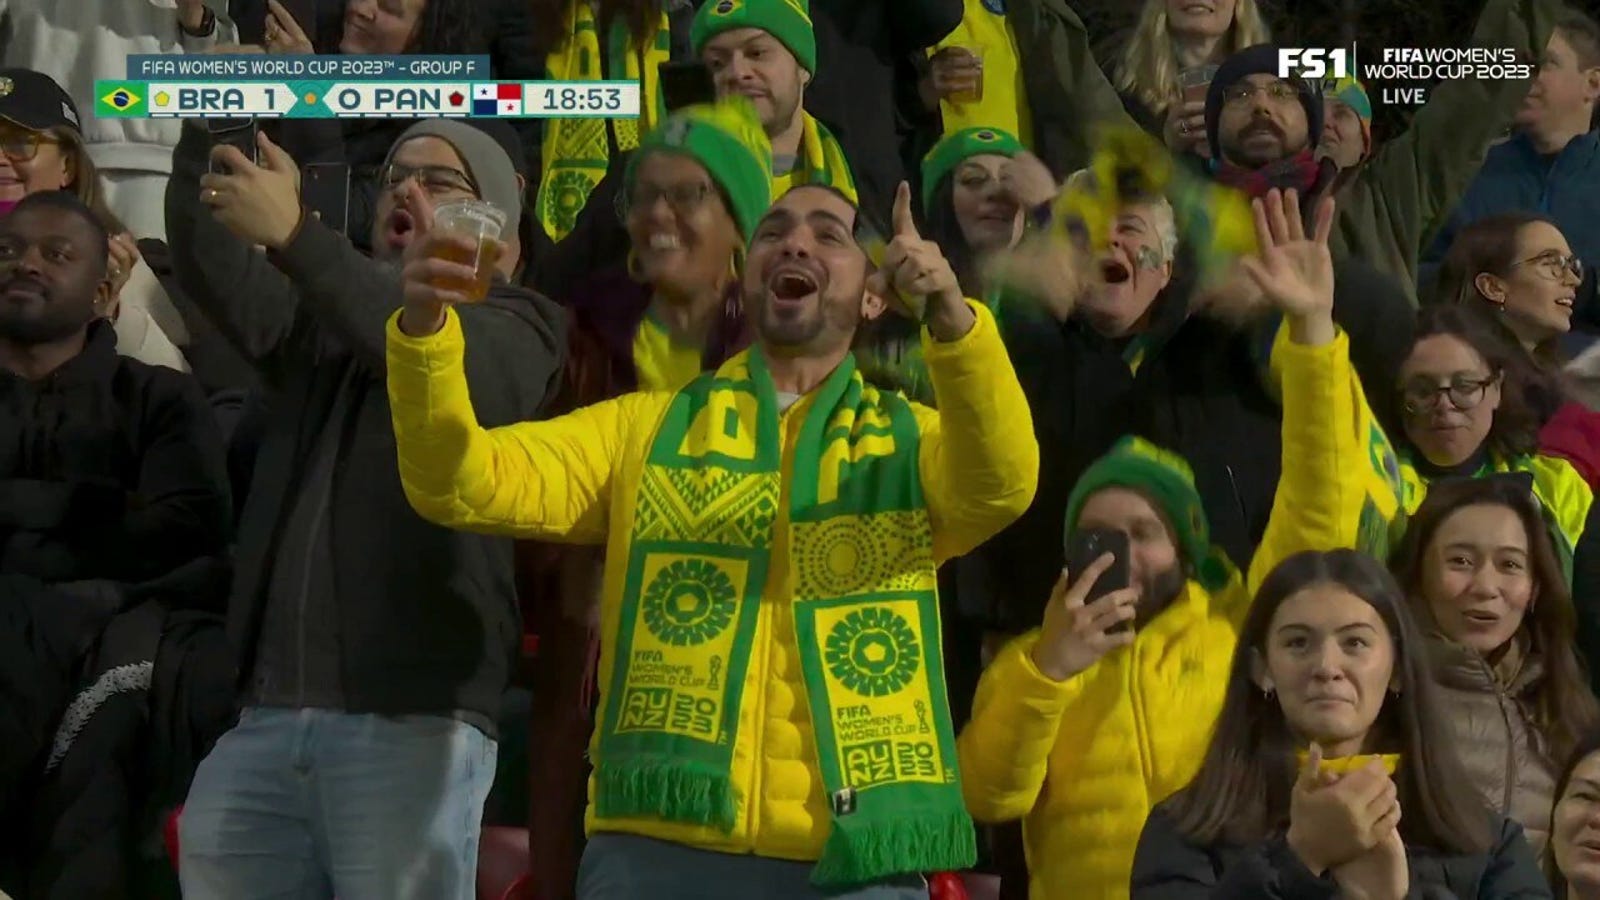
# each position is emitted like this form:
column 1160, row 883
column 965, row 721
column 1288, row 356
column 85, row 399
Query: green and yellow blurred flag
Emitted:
column 119, row 99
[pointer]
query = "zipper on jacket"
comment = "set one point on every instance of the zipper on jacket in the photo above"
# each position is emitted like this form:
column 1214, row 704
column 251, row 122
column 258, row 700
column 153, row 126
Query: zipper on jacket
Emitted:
column 1238, row 499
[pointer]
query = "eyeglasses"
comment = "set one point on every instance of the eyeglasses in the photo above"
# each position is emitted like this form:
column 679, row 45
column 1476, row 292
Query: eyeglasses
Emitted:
column 1277, row 91
column 684, row 199
column 1464, row 393
column 433, row 179
column 23, row 145
column 1554, row 265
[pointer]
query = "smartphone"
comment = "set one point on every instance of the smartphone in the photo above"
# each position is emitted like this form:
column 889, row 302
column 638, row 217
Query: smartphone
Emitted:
column 325, row 191
column 1089, row 545
column 240, row 133
column 686, row 83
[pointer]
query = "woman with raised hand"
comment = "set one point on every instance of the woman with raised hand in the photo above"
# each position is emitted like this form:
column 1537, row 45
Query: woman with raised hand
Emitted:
column 1330, row 772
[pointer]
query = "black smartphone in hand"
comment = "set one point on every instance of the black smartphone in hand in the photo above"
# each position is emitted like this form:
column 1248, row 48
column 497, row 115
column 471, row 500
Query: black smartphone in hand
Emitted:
column 1088, row 545
column 238, row 133
column 325, row 191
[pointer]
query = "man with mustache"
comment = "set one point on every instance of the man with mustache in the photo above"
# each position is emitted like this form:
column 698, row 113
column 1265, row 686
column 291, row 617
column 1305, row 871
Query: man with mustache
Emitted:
column 374, row 647
column 772, row 533
column 766, row 50
column 113, row 492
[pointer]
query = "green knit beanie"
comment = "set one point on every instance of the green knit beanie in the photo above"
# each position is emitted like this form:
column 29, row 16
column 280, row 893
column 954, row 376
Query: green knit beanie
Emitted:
column 954, row 149
column 726, row 138
column 1168, row 482
column 787, row 20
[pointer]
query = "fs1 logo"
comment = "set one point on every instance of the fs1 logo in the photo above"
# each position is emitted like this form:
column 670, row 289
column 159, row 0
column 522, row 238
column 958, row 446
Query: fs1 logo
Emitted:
column 1313, row 62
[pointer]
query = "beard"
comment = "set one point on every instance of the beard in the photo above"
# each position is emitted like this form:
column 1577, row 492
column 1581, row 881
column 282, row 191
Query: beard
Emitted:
column 1157, row 592
column 1235, row 147
column 54, row 320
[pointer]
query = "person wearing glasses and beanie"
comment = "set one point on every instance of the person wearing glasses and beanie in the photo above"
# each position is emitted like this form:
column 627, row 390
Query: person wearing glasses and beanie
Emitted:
column 374, row 648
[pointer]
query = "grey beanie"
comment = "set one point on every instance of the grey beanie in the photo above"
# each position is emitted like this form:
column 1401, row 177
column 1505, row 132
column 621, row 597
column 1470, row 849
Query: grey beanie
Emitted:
column 487, row 160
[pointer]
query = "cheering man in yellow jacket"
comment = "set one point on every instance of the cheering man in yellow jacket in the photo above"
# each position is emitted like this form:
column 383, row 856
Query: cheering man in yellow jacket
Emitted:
column 1081, row 727
column 773, row 719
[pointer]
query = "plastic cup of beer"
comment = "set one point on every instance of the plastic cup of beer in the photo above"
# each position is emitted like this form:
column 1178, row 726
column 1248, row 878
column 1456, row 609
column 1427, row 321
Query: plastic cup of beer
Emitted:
column 1194, row 81
column 479, row 222
column 975, row 94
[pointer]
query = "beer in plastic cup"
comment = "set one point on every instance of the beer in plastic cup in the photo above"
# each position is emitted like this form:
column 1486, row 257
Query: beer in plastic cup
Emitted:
column 479, row 222
column 1194, row 81
column 976, row 94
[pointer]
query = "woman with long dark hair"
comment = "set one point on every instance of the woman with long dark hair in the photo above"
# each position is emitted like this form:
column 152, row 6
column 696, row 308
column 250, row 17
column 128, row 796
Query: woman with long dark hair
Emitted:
column 1331, row 769
column 1483, row 578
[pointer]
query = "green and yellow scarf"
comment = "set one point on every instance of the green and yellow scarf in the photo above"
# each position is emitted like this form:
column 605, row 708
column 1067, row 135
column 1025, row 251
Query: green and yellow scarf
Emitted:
column 576, row 151
column 822, row 160
column 865, row 614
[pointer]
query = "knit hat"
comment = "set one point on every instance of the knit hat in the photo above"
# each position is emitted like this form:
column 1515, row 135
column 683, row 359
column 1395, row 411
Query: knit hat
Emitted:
column 1351, row 93
column 1262, row 59
column 787, row 20
column 489, row 149
column 954, row 149
column 727, row 139
column 1168, row 482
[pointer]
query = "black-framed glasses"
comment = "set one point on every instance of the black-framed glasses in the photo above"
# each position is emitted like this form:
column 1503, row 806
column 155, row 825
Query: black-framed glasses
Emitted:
column 1278, row 91
column 1464, row 393
column 684, row 199
column 433, row 179
column 1553, row 265
column 22, row 145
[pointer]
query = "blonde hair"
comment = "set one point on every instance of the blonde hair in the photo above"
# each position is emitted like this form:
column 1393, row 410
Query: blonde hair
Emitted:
column 1148, row 69
column 86, row 178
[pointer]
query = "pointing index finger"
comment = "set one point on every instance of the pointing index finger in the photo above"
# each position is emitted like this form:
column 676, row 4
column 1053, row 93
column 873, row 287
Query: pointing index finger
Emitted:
column 904, row 224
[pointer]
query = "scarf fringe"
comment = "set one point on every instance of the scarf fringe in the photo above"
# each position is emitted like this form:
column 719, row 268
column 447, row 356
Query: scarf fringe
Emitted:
column 865, row 851
column 665, row 789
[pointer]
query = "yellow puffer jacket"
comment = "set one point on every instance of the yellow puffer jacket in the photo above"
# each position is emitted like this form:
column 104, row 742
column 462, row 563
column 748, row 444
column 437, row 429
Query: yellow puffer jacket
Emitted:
column 1083, row 761
column 571, row 479
column 1363, row 472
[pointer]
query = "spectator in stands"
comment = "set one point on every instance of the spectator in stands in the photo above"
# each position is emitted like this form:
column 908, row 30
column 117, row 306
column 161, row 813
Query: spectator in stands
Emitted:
column 1264, row 131
column 114, row 492
column 1551, row 166
column 696, row 189
column 1346, row 124
column 1573, row 863
column 766, row 50
column 356, row 150
column 1520, row 267
column 1174, row 37
column 591, row 476
column 77, row 43
column 42, row 149
column 379, row 641
column 1077, row 729
column 1488, row 589
column 1329, row 664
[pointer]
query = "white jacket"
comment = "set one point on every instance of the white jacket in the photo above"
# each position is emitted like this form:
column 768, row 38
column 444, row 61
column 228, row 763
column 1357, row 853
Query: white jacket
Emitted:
column 78, row 41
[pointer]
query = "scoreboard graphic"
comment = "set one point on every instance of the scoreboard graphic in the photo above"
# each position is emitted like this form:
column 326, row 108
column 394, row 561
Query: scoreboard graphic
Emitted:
column 359, row 87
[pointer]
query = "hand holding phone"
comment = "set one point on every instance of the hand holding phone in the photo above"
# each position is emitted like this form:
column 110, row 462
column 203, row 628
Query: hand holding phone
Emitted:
column 237, row 133
column 1091, row 609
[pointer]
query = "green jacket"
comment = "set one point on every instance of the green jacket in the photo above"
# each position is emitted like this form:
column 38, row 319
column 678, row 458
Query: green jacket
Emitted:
column 1388, row 206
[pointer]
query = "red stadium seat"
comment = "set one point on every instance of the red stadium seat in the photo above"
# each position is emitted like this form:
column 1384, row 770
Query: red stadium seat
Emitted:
column 503, row 864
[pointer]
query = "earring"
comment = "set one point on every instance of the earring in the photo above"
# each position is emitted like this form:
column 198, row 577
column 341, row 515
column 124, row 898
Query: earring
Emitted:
column 633, row 267
column 1395, row 693
column 1267, row 693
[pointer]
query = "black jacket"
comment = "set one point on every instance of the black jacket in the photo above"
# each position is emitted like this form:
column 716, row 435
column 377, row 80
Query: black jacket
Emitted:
column 110, row 469
column 424, row 619
column 1200, row 391
column 1168, row 867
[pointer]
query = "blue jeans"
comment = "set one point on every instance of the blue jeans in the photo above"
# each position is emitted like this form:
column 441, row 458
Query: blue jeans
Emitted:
column 309, row 804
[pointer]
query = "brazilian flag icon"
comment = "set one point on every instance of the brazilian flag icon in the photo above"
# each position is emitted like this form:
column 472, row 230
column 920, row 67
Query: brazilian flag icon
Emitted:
column 119, row 99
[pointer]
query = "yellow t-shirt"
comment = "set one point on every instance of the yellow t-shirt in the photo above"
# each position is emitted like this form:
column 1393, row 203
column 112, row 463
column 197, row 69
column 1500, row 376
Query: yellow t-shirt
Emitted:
column 662, row 363
column 1005, row 102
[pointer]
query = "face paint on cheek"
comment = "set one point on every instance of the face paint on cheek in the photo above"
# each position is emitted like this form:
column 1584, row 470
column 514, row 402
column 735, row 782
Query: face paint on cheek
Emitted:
column 1147, row 259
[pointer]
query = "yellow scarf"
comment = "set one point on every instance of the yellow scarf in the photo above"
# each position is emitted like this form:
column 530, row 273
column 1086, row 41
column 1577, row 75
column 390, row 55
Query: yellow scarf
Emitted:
column 821, row 161
column 576, row 151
